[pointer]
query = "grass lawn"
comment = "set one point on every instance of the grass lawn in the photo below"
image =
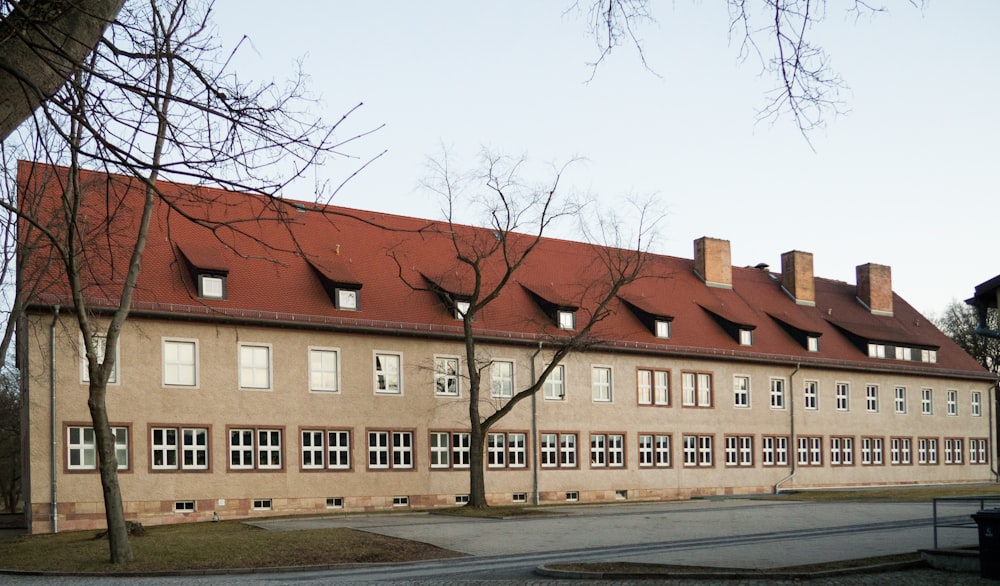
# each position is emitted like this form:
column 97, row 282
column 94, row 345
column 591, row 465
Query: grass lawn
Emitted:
column 201, row 546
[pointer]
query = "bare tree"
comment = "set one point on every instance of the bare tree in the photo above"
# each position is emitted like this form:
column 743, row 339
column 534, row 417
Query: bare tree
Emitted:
column 153, row 102
column 487, row 261
column 959, row 322
column 41, row 43
column 779, row 33
column 10, row 441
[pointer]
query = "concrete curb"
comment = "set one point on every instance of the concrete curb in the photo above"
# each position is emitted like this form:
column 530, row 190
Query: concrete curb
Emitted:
column 664, row 572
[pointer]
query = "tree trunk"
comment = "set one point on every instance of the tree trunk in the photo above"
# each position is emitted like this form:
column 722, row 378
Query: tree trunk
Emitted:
column 477, row 479
column 121, row 549
column 41, row 43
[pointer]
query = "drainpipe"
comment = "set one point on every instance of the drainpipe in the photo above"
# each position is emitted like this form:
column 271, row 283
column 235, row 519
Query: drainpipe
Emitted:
column 534, row 431
column 54, row 432
column 996, row 400
column 792, row 448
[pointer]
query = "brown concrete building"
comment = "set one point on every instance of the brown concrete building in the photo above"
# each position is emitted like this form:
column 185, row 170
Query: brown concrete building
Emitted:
column 281, row 365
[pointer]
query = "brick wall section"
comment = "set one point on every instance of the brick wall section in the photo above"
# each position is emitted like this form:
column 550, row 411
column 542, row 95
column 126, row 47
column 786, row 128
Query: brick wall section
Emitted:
column 797, row 276
column 875, row 287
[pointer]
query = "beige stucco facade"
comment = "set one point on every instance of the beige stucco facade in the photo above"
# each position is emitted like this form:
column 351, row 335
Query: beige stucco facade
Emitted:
column 141, row 402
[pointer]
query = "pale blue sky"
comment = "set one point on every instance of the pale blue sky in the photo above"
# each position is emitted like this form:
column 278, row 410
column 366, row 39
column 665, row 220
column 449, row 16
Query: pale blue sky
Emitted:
column 908, row 178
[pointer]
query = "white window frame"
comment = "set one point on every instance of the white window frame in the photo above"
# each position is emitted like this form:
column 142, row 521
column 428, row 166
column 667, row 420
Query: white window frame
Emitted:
column 446, row 378
column 927, row 401
column 952, row 396
column 653, row 386
column 502, row 385
column 696, row 389
column 312, row 449
column 746, row 337
column 774, row 450
column 164, row 443
column 347, row 299
column 193, row 449
column 661, row 329
column 86, row 447
column 555, row 384
column 601, row 388
column 387, row 368
column 242, row 444
column 462, row 309
column 394, row 449
column 549, row 449
column 251, row 368
column 739, row 450
column 812, row 343
column 871, row 398
column 741, row 391
column 101, row 341
column 174, row 365
column 566, row 320
column 811, row 395
column 270, row 452
column 843, row 391
column 777, row 394
column 976, row 404
column 899, row 399
column 211, row 286
column 876, row 350
column 567, row 450
column 324, row 378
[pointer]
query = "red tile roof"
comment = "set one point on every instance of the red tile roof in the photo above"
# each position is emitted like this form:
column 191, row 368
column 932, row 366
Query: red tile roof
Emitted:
column 277, row 252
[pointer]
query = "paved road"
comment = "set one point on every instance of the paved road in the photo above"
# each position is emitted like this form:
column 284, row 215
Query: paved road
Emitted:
column 725, row 534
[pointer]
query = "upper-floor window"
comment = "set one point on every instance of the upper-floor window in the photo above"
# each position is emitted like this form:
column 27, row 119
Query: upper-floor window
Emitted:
column 871, row 398
column 255, row 366
column 927, row 401
column 180, row 362
column 211, row 286
column 777, row 393
column 843, row 396
column 952, row 402
column 903, row 353
column 900, row 399
column 446, row 376
column 697, row 389
column 661, row 328
column 746, row 337
column 324, row 370
column 100, row 348
column 812, row 395
column 928, row 355
column 502, row 379
column 347, row 299
column 601, row 383
column 555, row 384
column 653, row 386
column 812, row 343
column 977, row 404
column 388, row 373
column 741, row 391
column 876, row 350
column 567, row 319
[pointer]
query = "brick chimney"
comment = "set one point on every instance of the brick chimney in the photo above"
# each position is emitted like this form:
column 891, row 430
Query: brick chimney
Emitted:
column 712, row 262
column 875, row 288
column 797, row 276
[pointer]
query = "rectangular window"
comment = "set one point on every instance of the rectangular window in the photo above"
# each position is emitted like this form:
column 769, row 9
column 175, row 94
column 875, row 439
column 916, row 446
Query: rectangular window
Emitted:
column 555, row 384
column 211, row 286
column 746, row 337
column 390, row 449
column 876, row 350
column 900, row 450
column 777, row 393
column 977, row 404
column 81, row 446
column 698, row 450
column 871, row 450
column 953, row 450
column 654, row 450
column 566, row 319
column 324, row 370
column 255, row 448
column 180, row 363
column 607, row 450
column 697, row 389
column 952, row 402
column 662, row 329
column 810, row 451
column 549, row 446
column 601, row 383
column 502, row 379
column 100, row 343
column 841, row 451
column 741, row 391
column 843, row 396
column 774, row 450
column 262, row 504
column 462, row 309
column 978, row 448
column 506, row 450
column 812, row 343
column 900, row 399
column 388, row 373
column 812, row 395
column 326, row 449
column 496, row 450
column 179, row 448
column 932, row 450
column 927, row 401
column 567, row 450
column 347, row 299
column 871, row 398
column 653, row 386
column 255, row 366
column 449, row 449
column 446, row 375
column 739, row 450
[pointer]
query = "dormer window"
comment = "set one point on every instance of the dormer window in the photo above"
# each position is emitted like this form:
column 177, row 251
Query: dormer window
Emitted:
column 812, row 343
column 903, row 353
column 746, row 337
column 662, row 328
column 461, row 309
column 211, row 286
column 928, row 356
column 876, row 350
column 567, row 319
column 347, row 299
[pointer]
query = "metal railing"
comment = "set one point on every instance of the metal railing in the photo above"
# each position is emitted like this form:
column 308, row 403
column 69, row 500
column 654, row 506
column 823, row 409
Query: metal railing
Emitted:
column 959, row 522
